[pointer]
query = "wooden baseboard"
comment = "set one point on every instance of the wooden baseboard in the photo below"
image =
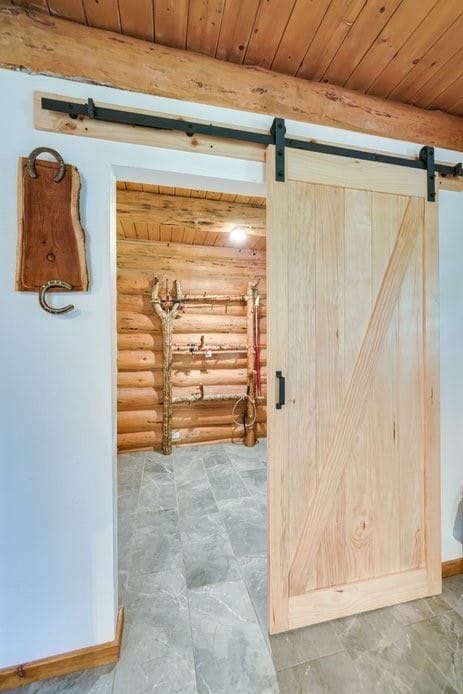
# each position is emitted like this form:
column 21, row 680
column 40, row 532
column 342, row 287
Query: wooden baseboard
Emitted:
column 452, row 567
column 65, row 663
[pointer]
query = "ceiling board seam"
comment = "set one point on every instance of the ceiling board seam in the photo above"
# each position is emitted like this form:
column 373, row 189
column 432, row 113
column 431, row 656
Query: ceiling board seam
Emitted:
column 405, row 39
column 437, row 38
column 46, row 7
column 186, row 23
column 344, row 40
column 314, row 37
column 251, row 33
column 429, row 100
column 118, row 12
column 233, row 32
column 417, row 28
column 84, row 11
column 220, row 28
column 372, row 43
column 449, row 88
column 283, row 32
column 397, row 86
column 153, row 5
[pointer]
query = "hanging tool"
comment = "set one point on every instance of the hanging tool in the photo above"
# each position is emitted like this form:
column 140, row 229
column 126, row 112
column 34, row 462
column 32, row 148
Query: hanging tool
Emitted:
column 257, row 342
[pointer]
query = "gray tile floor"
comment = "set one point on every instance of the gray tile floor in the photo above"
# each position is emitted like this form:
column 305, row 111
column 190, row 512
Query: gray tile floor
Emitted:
column 192, row 562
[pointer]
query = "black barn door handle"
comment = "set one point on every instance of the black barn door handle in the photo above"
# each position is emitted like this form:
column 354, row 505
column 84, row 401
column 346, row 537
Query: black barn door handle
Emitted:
column 281, row 390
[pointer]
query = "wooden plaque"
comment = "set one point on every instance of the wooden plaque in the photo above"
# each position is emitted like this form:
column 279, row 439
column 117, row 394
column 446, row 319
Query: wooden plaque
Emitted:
column 51, row 241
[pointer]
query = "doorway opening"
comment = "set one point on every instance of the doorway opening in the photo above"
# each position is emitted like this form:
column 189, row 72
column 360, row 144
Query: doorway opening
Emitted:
column 192, row 508
column 210, row 247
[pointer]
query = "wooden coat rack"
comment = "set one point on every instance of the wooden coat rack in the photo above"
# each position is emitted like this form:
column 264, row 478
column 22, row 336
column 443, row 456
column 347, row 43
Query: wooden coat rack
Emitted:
column 167, row 310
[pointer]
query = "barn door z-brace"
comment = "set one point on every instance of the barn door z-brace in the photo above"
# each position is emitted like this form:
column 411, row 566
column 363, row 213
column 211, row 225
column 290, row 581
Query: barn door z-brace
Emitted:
column 276, row 136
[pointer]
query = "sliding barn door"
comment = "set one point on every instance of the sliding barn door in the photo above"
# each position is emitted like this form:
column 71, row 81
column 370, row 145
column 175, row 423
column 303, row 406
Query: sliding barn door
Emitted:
column 353, row 328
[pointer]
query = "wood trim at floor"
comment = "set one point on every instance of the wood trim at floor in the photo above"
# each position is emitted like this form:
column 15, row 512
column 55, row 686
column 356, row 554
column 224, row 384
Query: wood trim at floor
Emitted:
column 452, row 567
column 65, row 663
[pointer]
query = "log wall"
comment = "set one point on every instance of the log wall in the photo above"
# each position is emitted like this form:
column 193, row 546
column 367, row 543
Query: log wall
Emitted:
column 200, row 269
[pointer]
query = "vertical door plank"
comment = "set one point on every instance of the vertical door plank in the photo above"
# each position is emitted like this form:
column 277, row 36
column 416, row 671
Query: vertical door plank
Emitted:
column 431, row 398
column 329, row 223
column 302, row 356
column 387, row 213
column 355, row 531
column 281, row 215
column 409, row 405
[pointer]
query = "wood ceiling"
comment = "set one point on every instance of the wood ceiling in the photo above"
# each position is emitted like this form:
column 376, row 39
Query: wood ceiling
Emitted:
column 154, row 228
column 406, row 50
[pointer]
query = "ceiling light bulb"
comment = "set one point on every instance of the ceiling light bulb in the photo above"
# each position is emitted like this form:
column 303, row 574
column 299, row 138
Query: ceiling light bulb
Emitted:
column 238, row 234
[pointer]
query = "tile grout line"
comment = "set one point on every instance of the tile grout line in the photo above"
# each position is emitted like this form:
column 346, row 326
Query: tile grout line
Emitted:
column 184, row 574
column 237, row 559
column 132, row 538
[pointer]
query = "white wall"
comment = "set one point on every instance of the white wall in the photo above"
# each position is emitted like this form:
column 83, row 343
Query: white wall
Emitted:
column 57, row 411
column 451, row 324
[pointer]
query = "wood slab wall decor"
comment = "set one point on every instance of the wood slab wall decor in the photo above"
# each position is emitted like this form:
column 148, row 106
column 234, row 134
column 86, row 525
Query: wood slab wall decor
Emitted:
column 51, row 241
column 212, row 270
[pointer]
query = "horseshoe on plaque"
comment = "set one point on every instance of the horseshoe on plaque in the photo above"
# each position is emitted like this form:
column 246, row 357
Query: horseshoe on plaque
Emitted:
column 43, row 296
column 40, row 150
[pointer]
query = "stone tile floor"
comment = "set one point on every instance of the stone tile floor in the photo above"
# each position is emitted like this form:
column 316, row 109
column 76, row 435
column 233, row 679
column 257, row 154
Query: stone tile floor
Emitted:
column 192, row 558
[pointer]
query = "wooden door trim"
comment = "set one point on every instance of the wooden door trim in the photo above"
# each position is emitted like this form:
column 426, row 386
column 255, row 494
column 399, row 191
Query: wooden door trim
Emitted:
column 352, row 411
column 277, row 428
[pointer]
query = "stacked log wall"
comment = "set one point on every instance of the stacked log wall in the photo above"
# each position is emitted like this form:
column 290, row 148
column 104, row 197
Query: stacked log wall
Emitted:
column 200, row 269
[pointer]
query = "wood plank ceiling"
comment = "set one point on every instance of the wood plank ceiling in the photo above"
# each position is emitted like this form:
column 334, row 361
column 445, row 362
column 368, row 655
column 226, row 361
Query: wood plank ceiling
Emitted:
column 406, row 50
column 129, row 229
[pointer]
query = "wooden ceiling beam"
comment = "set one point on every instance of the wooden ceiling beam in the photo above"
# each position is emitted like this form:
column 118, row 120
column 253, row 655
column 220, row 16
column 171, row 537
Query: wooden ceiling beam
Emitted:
column 43, row 44
column 200, row 214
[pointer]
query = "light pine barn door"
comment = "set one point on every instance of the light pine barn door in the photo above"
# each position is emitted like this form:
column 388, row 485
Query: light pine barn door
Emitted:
column 354, row 516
